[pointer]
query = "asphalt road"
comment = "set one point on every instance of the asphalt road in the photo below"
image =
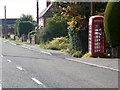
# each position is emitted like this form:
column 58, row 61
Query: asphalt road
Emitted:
column 26, row 68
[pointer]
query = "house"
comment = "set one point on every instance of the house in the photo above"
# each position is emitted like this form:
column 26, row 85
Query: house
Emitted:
column 7, row 26
column 45, row 14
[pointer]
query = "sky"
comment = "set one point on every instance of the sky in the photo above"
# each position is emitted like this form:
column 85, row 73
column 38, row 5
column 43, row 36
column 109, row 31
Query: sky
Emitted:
column 15, row 8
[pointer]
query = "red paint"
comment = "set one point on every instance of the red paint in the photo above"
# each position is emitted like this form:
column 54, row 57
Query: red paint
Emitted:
column 96, row 35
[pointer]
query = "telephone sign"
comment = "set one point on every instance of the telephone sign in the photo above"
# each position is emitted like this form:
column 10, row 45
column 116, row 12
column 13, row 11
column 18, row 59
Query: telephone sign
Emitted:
column 96, row 41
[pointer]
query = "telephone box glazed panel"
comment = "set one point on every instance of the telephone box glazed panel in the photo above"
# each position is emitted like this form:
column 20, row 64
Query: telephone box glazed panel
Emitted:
column 96, row 41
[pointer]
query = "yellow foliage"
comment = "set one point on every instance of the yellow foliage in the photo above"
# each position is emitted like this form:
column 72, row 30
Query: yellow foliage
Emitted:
column 72, row 13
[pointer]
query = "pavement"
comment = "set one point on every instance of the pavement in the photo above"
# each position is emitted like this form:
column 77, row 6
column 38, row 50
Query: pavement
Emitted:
column 106, row 63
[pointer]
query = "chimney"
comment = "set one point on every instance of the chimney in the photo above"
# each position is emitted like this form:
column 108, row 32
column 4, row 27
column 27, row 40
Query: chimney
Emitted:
column 48, row 3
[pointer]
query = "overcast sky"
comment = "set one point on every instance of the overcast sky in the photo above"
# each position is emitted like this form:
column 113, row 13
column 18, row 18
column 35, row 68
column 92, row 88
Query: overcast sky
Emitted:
column 15, row 8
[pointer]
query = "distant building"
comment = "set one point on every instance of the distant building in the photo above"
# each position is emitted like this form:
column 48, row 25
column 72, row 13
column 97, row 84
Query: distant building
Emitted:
column 8, row 28
column 47, row 13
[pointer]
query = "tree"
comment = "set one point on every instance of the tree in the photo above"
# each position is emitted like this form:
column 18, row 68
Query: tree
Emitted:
column 26, row 18
column 99, row 8
column 112, row 27
column 17, row 27
column 56, row 27
column 24, row 25
column 76, row 16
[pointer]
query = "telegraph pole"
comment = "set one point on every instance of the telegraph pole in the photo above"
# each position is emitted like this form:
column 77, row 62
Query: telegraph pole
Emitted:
column 91, row 8
column 5, row 29
column 37, row 14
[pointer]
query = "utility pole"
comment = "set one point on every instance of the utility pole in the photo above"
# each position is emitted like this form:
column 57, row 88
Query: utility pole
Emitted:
column 5, row 29
column 37, row 14
column 91, row 8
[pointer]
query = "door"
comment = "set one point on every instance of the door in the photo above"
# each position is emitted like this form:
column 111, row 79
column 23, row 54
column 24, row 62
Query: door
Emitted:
column 99, row 39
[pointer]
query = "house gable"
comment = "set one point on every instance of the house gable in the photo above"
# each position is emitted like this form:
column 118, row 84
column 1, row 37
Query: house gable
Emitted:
column 47, row 13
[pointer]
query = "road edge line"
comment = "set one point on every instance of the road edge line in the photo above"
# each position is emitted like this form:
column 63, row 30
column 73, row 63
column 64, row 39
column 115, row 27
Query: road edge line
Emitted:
column 91, row 64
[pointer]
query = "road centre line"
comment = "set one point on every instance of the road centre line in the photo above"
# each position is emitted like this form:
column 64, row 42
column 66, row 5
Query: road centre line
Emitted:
column 2, row 56
column 38, row 82
column 9, row 60
column 46, row 52
column 20, row 68
column 93, row 64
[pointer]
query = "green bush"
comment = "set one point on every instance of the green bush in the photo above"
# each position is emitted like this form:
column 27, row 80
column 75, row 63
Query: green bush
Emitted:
column 74, row 53
column 112, row 23
column 61, row 43
column 25, row 27
column 43, row 35
column 77, row 54
column 56, row 27
column 78, row 40
column 87, row 55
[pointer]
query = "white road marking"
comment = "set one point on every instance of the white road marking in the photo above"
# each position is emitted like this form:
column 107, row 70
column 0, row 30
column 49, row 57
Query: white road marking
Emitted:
column 12, row 43
column 20, row 68
column 93, row 64
column 6, row 41
column 26, row 47
column 8, row 60
column 0, row 87
column 2, row 56
column 29, row 48
column 38, row 82
column 23, row 46
column 46, row 52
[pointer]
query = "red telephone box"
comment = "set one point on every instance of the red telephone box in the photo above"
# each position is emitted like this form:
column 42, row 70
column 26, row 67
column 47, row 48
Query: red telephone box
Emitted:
column 96, row 41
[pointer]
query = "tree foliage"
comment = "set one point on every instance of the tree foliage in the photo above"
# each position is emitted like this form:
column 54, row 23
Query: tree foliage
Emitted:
column 71, row 10
column 56, row 27
column 99, row 8
column 76, row 17
column 112, row 27
column 26, row 18
column 17, row 27
column 74, row 14
column 111, row 23
column 24, row 25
